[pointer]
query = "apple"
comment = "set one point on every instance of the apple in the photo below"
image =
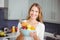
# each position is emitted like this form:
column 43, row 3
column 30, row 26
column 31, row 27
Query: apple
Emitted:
column 23, row 27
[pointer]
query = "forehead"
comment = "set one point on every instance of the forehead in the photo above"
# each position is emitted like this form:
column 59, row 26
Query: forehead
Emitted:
column 35, row 8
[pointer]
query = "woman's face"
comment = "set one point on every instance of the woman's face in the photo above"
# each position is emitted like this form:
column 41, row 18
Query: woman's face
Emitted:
column 34, row 12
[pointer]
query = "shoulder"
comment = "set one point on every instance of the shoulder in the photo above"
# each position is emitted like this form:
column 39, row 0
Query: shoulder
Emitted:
column 41, row 25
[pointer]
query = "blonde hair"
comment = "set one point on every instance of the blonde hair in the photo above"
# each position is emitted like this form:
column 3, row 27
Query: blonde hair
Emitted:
column 40, row 16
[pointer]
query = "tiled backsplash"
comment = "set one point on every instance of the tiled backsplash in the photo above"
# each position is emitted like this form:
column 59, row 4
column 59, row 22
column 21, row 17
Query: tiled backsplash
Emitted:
column 49, row 27
column 2, row 22
column 52, row 27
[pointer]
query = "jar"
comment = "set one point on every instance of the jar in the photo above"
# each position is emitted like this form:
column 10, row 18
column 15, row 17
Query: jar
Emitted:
column 13, row 29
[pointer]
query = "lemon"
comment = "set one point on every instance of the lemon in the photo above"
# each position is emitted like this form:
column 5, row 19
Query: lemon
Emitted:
column 32, row 28
column 2, row 34
column 28, row 26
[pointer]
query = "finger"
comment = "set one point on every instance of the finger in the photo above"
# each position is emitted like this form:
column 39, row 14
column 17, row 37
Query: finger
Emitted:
column 31, row 34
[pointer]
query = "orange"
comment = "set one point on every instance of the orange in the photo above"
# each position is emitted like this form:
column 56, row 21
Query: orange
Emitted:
column 24, row 24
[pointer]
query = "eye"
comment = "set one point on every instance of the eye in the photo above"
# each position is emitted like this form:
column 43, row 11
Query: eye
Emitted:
column 32, row 10
column 36, row 11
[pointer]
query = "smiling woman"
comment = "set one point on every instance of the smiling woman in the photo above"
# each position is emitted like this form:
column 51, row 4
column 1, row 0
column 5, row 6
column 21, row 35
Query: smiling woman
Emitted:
column 35, row 19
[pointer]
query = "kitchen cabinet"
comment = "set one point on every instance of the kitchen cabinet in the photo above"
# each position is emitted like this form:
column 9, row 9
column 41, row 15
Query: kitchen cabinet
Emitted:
column 17, row 9
column 3, row 3
column 4, row 7
column 51, row 11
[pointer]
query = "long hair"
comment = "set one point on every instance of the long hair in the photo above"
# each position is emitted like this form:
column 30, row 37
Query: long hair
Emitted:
column 40, row 16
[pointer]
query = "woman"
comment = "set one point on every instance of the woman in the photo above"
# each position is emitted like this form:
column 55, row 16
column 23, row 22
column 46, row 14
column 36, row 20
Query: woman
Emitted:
column 35, row 19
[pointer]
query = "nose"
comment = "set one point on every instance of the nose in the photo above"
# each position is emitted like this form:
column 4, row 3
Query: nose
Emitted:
column 33, row 12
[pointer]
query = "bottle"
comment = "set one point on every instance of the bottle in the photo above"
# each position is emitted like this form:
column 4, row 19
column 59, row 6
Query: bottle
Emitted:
column 16, row 29
column 13, row 29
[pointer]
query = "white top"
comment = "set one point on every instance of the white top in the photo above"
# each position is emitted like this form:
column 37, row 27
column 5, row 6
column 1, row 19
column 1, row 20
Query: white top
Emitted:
column 39, row 29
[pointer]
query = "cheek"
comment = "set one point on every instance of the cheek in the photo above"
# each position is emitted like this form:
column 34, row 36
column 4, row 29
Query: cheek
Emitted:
column 31, row 13
column 36, row 14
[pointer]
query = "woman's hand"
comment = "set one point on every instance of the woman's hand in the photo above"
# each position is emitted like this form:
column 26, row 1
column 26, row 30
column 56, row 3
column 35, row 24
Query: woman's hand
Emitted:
column 20, row 37
column 34, row 35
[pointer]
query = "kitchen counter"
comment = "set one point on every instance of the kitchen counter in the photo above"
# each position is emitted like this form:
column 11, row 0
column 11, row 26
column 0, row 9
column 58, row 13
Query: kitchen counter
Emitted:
column 11, row 36
column 47, row 34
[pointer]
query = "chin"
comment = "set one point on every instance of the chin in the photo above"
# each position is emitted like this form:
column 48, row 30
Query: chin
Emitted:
column 33, row 18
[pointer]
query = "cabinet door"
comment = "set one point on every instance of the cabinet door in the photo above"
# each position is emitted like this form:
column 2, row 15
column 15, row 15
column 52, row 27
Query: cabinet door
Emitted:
column 17, row 9
column 1, row 3
column 51, row 11
column 6, row 3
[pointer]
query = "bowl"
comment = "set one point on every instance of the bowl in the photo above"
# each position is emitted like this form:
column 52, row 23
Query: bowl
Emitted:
column 26, row 32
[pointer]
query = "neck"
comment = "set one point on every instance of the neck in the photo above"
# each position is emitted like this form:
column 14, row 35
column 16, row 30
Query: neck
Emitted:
column 32, row 20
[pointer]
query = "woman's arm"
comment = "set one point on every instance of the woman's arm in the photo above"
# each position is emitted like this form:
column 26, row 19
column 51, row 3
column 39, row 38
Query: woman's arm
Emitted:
column 36, row 38
column 41, row 30
column 39, row 34
column 20, row 35
column 34, row 35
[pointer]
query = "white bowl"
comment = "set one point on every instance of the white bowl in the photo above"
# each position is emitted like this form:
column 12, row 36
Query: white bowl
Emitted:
column 26, row 32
